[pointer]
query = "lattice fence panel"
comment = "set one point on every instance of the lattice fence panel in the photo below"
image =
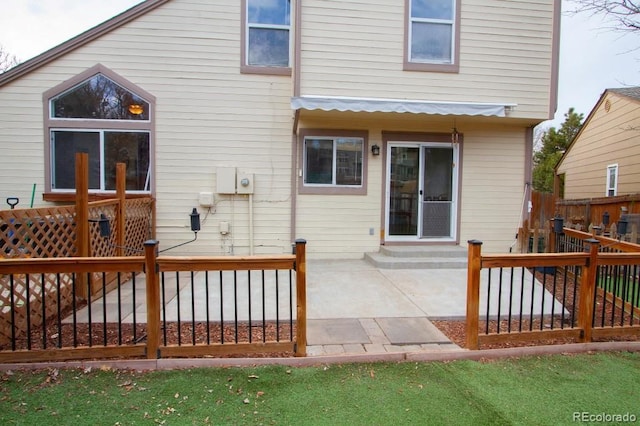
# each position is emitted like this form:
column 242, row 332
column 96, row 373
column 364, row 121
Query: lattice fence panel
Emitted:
column 38, row 233
column 102, row 246
column 138, row 228
column 44, row 232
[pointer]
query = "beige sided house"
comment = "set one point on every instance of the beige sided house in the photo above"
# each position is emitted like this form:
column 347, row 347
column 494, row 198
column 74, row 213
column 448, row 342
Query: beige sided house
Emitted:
column 348, row 123
column 603, row 160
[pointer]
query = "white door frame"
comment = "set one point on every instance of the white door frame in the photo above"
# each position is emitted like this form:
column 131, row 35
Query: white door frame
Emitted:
column 454, row 195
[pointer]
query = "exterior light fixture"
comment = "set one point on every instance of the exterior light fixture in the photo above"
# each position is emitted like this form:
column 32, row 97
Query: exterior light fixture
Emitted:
column 136, row 109
column 195, row 220
column 103, row 225
column 375, row 150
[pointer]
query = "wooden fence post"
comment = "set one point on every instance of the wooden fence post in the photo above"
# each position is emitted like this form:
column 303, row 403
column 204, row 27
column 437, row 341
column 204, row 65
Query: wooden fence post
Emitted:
column 82, row 218
column 121, row 188
column 473, row 292
column 588, row 291
column 153, row 298
column 301, row 297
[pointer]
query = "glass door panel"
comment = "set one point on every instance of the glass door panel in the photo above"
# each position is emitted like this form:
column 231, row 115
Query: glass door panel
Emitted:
column 403, row 191
column 437, row 192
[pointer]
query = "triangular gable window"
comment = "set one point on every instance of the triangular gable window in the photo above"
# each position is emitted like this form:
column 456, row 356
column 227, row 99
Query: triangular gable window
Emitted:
column 100, row 98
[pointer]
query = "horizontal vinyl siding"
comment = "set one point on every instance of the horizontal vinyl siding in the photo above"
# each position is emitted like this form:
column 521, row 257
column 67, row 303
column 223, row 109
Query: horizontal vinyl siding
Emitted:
column 337, row 226
column 21, row 139
column 607, row 138
column 208, row 115
column 493, row 184
column 355, row 48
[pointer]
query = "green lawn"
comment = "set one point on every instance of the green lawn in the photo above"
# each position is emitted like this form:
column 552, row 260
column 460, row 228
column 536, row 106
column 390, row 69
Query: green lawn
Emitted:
column 535, row 391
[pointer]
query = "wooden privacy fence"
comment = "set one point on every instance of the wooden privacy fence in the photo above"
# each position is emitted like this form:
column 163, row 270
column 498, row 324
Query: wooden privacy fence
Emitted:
column 171, row 307
column 582, row 295
column 590, row 211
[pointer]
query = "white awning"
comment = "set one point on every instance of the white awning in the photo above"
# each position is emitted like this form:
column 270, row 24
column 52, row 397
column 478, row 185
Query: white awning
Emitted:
column 336, row 103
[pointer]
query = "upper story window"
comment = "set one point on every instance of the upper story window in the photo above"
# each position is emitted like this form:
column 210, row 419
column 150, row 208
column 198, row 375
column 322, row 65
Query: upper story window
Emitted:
column 105, row 116
column 432, row 41
column 266, row 36
column 612, row 180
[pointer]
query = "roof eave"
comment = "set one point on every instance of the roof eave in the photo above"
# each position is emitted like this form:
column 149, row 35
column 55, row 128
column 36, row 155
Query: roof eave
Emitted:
column 79, row 40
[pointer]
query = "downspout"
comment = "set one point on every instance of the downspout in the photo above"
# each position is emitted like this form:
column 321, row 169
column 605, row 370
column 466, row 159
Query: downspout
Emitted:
column 528, row 171
column 296, row 117
column 251, row 224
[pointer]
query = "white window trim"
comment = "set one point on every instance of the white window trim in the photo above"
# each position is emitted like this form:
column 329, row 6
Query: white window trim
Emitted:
column 611, row 167
column 432, row 66
column 100, row 132
column 264, row 69
column 451, row 22
column 334, row 162
column 316, row 189
column 50, row 124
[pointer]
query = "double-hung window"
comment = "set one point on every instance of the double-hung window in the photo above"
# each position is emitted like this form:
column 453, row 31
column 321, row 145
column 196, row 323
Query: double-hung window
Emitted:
column 432, row 39
column 267, row 36
column 334, row 163
column 107, row 120
column 612, row 180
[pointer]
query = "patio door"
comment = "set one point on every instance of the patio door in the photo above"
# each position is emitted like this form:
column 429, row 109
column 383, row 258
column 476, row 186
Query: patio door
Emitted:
column 421, row 193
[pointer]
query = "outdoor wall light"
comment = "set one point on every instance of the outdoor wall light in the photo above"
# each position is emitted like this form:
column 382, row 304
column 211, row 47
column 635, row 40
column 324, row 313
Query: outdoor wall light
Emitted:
column 195, row 220
column 103, row 224
column 375, row 150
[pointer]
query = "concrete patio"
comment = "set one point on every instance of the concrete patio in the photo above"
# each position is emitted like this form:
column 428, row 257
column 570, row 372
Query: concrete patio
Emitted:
column 352, row 306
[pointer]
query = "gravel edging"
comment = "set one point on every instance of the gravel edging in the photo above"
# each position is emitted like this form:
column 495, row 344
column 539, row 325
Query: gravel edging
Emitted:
column 423, row 356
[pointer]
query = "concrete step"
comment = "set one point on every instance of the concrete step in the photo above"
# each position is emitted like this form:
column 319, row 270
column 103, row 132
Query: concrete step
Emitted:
column 424, row 251
column 439, row 260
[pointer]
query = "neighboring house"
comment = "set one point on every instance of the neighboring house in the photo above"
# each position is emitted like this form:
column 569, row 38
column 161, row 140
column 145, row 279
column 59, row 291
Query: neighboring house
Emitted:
column 603, row 159
column 348, row 123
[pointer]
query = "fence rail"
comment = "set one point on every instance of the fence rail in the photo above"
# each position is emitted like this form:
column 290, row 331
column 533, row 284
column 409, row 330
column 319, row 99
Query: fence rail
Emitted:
column 581, row 295
column 144, row 316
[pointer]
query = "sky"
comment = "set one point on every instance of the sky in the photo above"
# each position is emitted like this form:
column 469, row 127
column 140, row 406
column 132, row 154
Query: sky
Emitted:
column 592, row 56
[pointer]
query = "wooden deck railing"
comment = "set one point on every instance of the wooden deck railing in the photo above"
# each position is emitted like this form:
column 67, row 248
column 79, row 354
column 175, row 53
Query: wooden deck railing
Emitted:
column 582, row 295
column 133, row 319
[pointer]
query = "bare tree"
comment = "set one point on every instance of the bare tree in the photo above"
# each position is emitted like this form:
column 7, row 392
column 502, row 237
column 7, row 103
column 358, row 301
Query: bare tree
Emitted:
column 7, row 60
column 624, row 14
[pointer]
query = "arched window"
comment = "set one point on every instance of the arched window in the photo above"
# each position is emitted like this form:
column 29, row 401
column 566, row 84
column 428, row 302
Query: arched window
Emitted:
column 108, row 117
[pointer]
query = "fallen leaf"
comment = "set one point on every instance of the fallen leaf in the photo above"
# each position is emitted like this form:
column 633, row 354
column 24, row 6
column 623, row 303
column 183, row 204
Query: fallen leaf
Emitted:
column 253, row 376
column 246, row 400
column 259, row 394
